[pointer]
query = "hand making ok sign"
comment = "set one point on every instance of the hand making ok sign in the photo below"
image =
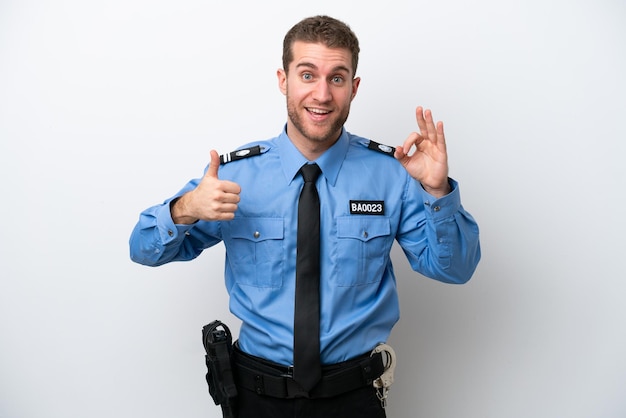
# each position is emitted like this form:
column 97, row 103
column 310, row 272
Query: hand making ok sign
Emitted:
column 428, row 163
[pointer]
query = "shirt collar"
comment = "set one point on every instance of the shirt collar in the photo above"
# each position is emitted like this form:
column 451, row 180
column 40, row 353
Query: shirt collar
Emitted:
column 330, row 162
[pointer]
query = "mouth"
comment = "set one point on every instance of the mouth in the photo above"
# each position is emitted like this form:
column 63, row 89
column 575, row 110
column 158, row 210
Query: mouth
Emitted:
column 318, row 113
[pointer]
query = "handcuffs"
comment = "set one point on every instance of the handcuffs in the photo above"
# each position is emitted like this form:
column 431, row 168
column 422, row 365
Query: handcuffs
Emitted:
column 385, row 380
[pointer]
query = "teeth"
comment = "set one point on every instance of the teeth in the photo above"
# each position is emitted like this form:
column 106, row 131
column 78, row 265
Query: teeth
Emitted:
column 318, row 111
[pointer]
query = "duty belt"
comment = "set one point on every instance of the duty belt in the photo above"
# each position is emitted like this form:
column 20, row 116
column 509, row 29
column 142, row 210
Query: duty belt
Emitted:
column 271, row 379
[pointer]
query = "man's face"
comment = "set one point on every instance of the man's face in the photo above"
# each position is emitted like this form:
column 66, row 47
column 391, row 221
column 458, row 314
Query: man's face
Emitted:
column 319, row 88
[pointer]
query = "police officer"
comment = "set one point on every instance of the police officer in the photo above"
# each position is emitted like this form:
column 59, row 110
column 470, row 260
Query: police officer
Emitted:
column 371, row 194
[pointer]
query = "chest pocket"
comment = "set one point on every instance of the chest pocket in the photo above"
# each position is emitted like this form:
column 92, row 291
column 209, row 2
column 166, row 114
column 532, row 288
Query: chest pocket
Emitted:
column 255, row 251
column 363, row 246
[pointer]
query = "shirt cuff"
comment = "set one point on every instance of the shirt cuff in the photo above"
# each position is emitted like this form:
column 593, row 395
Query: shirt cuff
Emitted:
column 443, row 207
column 169, row 231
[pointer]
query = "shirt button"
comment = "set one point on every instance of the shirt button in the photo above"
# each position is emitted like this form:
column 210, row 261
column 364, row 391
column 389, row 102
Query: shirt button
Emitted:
column 436, row 208
column 170, row 233
column 256, row 234
column 365, row 234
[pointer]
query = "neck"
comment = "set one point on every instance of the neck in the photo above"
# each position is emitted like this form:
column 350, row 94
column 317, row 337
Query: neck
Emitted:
column 311, row 148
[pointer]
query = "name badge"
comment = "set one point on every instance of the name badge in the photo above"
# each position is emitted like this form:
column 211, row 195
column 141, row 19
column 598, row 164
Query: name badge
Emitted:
column 367, row 207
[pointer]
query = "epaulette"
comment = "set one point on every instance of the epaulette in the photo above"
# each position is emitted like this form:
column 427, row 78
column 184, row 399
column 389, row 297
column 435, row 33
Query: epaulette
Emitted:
column 382, row 148
column 242, row 153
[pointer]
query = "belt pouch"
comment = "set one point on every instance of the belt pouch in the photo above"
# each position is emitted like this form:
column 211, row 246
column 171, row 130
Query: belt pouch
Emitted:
column 218, row 344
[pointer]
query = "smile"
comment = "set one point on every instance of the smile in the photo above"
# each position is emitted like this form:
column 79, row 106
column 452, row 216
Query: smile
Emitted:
column 317, row 111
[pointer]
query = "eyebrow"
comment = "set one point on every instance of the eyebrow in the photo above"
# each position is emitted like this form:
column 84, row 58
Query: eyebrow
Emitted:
column 336, row 69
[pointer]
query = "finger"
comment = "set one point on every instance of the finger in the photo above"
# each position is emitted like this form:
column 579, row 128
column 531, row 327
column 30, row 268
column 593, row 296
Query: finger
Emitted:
column 225, row 199
column 399, row 154
column 408, row 142
column 421, row 122
column 215, row 164
column 430, row 125
column 441, row 138
column 414, row 139
column 229, row 192
column 224, row 186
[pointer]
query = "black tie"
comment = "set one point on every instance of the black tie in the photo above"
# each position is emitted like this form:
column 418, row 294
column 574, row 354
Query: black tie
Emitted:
column 306, row 354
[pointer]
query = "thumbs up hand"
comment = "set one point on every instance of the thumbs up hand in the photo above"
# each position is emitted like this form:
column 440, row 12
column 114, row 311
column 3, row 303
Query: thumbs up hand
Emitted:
column 212, row 200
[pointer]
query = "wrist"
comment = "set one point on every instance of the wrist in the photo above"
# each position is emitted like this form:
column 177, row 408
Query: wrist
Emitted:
column 440, row 191
column 179, row 213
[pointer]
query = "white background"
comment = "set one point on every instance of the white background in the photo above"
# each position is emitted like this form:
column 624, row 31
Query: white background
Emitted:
column 107, row 108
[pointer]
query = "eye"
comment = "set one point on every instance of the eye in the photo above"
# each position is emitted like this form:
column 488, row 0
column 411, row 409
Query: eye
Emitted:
column 338, row 79
column 307, row 76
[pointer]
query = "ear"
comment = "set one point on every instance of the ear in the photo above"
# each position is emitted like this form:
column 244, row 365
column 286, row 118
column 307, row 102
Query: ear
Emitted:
column 355, row 86
column 282, row 80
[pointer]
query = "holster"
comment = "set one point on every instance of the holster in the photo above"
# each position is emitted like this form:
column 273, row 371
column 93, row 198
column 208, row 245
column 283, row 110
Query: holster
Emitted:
column 218, row 343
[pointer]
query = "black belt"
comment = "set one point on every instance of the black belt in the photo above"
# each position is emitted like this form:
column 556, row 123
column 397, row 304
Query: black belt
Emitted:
column 271, row 379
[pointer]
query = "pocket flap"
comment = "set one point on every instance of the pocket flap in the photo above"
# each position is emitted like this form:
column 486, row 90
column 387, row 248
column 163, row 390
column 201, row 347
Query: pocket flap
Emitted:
column 363, row 228
column 257, row 229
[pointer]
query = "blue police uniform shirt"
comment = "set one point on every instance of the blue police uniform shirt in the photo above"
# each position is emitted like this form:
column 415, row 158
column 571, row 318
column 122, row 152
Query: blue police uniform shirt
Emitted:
column 368, row 200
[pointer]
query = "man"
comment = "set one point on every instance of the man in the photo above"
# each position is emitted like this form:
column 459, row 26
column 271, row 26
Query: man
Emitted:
column 367, row 199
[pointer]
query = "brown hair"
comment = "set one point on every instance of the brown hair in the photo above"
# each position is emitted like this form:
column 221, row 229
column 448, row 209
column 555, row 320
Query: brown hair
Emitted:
column 321, row 29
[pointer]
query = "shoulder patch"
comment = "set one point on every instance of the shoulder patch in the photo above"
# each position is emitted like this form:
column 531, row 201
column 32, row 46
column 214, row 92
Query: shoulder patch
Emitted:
column 385, row 149
column 241, row 154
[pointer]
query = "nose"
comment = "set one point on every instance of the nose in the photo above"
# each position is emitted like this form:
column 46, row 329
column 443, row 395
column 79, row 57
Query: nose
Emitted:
column 322, row 92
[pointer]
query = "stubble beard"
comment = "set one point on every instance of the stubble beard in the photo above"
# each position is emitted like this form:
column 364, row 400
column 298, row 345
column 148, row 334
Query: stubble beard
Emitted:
column 330, row 134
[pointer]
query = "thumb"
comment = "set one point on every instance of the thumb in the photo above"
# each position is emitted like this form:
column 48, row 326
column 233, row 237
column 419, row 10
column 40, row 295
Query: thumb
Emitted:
column 214, row 166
